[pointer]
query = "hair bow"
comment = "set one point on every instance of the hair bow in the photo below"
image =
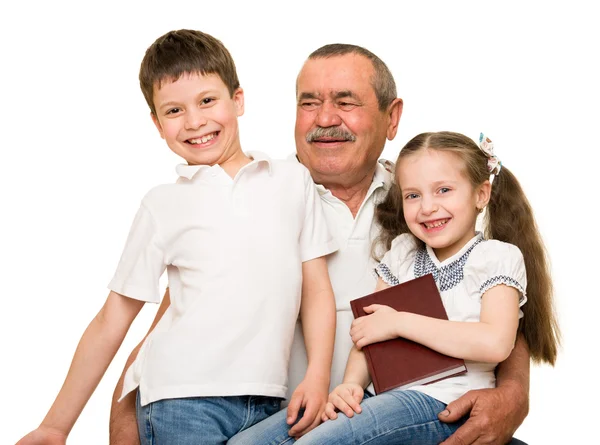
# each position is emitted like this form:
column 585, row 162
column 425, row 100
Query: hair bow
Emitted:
column 487, row 146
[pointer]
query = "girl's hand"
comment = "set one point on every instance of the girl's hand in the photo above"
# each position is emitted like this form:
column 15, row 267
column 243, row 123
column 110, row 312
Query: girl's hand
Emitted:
column 44, row 436
column 345, row 398
column 381, row 325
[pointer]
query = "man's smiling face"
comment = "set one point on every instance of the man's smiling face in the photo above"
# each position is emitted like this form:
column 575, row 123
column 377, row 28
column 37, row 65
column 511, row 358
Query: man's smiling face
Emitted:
column 339, row 126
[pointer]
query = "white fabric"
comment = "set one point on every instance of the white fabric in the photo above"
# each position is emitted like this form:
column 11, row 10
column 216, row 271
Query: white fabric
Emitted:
column 478, row 266
column 233, row 250
column 350, row 271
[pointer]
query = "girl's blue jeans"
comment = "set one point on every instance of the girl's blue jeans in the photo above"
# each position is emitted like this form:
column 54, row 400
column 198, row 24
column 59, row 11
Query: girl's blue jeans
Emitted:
column 201, row 420
column 393, row 417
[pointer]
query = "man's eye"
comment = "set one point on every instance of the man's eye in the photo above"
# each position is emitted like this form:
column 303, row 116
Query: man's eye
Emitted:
column 346, row 105
column 308, row 105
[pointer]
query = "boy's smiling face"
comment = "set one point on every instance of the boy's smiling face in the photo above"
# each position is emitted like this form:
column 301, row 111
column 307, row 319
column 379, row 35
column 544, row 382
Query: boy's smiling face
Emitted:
column 197, row 117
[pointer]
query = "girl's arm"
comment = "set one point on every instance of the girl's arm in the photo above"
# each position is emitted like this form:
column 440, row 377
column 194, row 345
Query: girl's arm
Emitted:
column 489, row 340
column 96, row 349
column 347, row 396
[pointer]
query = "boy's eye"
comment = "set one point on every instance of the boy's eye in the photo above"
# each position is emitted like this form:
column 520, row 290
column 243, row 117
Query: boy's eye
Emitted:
column 173, row 110
column 207, row 100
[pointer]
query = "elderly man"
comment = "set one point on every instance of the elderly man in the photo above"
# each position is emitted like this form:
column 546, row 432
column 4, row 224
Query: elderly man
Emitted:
column 347, row 109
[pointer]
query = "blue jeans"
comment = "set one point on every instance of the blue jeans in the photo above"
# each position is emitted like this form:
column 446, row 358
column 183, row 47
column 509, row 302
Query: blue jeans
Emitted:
column 201, row 420
column 394, row 417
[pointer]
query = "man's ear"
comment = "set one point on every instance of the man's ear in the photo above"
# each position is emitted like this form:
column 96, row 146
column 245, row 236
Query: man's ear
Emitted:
column 238, row 99
column 157, row 123
column 394, row 112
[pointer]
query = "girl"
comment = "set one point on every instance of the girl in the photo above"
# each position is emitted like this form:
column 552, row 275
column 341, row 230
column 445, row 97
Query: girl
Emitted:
column 443, row 182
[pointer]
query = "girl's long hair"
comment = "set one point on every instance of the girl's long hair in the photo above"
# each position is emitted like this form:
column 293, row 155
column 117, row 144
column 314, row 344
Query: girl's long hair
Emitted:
column 509, row 218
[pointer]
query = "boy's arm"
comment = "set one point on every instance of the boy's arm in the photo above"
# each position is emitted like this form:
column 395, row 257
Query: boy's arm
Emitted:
column 317, row 312
column 123, row 424
column 495, row 414
column 96, row 349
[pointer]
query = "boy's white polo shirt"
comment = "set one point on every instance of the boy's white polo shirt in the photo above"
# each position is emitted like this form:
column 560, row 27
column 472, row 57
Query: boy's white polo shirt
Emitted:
column 233, row 250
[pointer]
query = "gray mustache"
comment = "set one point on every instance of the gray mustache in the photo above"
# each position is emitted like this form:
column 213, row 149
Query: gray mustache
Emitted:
column 330, row 132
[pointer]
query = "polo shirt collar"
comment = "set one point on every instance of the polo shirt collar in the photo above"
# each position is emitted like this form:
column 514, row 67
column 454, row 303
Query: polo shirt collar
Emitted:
column 190, row 171
column 384, row 172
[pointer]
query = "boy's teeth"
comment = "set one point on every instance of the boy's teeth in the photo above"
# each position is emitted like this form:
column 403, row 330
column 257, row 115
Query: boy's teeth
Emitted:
column 203, row 139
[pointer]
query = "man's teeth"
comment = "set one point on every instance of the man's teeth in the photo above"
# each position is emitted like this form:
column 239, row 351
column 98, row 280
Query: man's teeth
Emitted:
column 436, row 224
column 203, row 139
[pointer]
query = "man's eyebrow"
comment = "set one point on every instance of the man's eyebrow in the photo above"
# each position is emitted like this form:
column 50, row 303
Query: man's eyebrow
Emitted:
column 344, row 93
column 306, row 95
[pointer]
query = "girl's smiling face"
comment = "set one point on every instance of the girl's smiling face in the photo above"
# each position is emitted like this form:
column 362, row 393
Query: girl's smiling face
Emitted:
column 440, row 204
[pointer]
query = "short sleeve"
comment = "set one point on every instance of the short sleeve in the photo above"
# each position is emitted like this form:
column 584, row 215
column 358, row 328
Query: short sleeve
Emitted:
column 393, row 265
column 493, row 263
column 142, row 261
column 316, row 239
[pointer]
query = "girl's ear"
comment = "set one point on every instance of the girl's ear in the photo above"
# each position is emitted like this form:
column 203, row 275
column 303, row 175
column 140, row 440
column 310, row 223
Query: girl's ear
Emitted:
column 483, row 193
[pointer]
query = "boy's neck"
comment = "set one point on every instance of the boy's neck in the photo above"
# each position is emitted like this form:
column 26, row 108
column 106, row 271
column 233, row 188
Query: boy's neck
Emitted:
column 234, row 163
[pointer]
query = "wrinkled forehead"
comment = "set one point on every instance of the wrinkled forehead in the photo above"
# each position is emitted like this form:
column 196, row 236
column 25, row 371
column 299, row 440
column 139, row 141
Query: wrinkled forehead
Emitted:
column 340, row 76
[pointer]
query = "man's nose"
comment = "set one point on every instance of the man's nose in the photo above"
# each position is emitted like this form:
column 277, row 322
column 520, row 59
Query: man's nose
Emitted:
column 194, row 119
column 328, row 115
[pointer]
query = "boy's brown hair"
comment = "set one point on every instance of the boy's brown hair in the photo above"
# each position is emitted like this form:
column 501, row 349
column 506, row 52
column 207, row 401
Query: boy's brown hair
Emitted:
column 181, row 52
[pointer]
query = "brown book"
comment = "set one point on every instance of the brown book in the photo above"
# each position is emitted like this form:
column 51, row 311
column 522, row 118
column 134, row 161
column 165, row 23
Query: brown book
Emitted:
column 401, row 363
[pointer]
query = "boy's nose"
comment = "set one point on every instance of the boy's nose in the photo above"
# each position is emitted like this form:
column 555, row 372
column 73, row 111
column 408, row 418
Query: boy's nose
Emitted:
column 194, row 120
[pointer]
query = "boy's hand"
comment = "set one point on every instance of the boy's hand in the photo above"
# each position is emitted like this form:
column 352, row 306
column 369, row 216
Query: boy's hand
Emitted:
column 44, row 436
column 379, row 326
column 345, row 398
column 311, row 395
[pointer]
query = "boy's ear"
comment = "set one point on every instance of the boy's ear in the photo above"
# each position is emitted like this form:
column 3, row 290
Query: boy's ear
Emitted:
column 484, row 192
column 238, row 99
column 157, row 123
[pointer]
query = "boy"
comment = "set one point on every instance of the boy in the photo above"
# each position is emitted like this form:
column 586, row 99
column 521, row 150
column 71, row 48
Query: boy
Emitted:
column 243, row 240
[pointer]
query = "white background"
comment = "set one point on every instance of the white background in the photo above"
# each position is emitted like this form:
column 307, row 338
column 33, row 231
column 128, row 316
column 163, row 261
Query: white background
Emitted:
column 78, row 151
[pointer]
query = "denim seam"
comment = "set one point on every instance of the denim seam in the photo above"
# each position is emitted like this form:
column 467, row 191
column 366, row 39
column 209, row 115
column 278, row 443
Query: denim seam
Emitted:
column 248, row 414
column 149, row 429
column 394, row 430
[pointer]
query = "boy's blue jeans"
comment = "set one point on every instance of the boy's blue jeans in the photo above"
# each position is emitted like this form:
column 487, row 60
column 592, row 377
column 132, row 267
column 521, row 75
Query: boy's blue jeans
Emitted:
column 201, row 420
column 393, row 417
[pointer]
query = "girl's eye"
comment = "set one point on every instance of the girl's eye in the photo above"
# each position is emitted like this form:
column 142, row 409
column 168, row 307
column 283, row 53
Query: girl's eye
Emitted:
column 411, row 196
column 444, row 190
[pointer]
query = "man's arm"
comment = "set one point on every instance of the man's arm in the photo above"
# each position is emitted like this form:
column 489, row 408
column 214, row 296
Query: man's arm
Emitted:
column 495, row 414
column 123, row 425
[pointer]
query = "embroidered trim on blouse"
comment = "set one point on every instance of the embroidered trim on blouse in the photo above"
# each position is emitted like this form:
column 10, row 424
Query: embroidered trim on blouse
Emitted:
column 446, row 277
column 386, row 274
column 502, row 279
